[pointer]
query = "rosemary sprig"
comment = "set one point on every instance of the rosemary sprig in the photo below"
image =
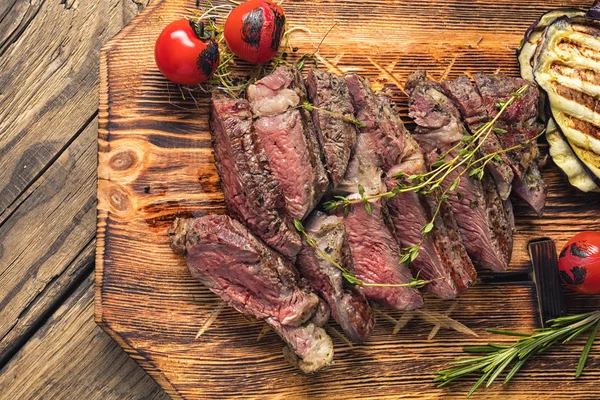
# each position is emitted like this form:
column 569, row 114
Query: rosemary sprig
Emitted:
column 499, row 357
column 415, row 282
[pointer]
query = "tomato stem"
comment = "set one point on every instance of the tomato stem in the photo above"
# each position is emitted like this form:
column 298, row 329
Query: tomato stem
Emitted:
column 198, row 28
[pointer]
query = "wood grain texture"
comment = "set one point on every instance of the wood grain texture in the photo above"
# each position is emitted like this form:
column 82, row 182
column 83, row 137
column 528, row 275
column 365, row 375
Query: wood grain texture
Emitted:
column 49, row 54
column 156, row 161
column 48, row 82
column 87, row 364
column 43, row 238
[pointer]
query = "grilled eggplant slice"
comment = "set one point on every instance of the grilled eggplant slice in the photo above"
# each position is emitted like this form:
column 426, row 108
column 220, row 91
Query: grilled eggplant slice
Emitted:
column 567, row 67
column 567, row 161
column 534, row 34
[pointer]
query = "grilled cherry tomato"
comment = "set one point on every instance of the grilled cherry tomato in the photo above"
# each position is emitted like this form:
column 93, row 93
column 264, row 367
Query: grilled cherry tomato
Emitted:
column 579, row 263
column 253, row 30
column 185, row 53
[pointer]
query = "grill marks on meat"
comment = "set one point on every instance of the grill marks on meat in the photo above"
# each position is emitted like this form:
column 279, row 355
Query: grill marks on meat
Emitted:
column 289, row 140
column 375, row 253
column 250, row 277
column 349, row 306
column 336, row 135
column 479, row 213
column 251, row 192
column 477, row 103
column 442, row 256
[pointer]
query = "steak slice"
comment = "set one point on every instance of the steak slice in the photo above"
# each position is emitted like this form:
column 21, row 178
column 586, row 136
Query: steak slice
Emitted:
column 478, row 104
column 349, row 306
column 251, row 192
column 442, row 255
column 380, row 144
column 222, row 254
column 376, row 256
column 336, row 135
column 384, row 129
column 288, row 137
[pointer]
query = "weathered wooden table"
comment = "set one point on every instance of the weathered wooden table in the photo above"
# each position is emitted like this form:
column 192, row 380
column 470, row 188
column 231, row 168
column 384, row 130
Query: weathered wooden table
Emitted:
column 50, row 346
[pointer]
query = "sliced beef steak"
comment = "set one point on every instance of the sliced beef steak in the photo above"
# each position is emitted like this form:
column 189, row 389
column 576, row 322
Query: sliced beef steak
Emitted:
column 289, row 139
column 250, row 277
column 376, row 256
column 442, row 255
column 478, row 223
column 466, row 97
column 383, row 130
column 251, row 192
column 520, row 123
column 481, row 218
column 478, row 103
column 380, row 144
column 337, row 136
column 349, row 306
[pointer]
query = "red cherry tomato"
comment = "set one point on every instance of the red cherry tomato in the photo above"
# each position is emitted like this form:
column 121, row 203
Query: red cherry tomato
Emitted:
column 253, row 30
column 579, row 263
column 185, row 54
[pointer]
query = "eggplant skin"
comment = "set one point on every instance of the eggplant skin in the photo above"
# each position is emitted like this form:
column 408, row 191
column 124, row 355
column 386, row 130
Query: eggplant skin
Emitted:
column 567, row 161
column 567, row 67
column 526, row 50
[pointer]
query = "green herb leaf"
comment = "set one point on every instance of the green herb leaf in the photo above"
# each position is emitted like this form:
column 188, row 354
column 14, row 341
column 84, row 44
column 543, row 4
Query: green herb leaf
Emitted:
column 361, row 190
column 437, row 164
column 427, row 228
column 298, row 225
column 368, row 208
column 586, row 350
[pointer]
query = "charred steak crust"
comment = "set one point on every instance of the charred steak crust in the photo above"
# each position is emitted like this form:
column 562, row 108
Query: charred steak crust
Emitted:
column 288, row 136
column 336, row 135
column 349, row 306
column 223, row 255
column 251, row 192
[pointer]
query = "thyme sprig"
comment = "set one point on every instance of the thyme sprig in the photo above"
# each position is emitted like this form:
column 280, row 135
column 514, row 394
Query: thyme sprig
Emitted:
column 415, row 282
column 499, row 357
column 310, row 107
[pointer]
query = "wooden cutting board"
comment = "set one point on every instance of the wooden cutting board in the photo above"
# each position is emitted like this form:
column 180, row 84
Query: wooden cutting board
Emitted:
column 155, row 162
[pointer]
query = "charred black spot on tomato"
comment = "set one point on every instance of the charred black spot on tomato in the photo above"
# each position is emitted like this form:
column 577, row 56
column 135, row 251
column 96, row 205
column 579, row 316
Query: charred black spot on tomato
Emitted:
column 563, row 252
column 252, row 26
column 576, row 277
column 208, row 58
column 279, row 22
column 578, row 251
column 579, row 275
column 566, row 278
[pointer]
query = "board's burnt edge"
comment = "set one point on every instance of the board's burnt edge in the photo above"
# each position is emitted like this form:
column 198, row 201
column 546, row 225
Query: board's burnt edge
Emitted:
column 102, row 220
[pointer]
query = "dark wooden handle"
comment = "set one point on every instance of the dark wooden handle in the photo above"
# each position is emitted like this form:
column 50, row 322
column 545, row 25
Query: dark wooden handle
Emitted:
column 551, row 301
